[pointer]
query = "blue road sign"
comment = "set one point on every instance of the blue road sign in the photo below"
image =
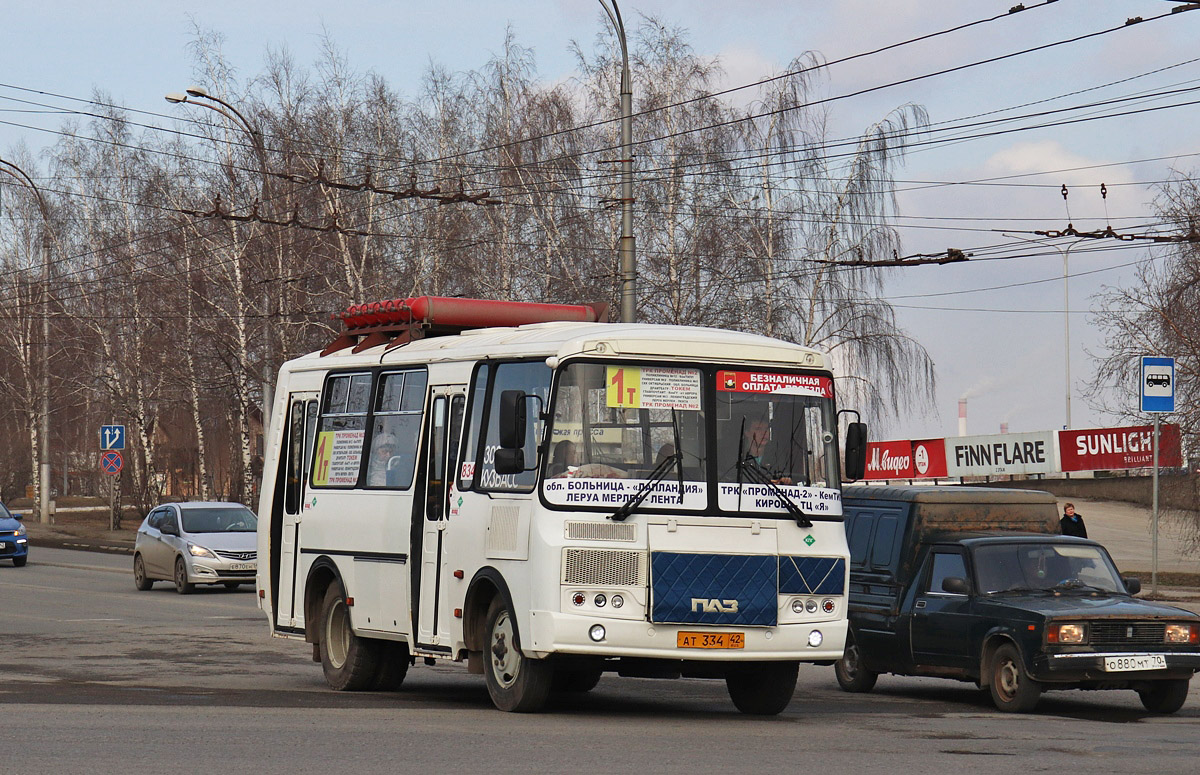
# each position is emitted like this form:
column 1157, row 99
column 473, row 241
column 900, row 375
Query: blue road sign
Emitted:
column 111, row 462
column 1158, row 384
column 112, row 437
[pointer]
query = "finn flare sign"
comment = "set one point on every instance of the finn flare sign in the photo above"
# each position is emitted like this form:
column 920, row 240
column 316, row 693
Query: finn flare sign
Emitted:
column 1010, row 453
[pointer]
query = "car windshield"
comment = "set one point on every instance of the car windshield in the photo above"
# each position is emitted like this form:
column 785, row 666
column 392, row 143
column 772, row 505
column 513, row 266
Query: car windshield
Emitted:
column 234, row 519
column 4, row 513
column 1044, row 567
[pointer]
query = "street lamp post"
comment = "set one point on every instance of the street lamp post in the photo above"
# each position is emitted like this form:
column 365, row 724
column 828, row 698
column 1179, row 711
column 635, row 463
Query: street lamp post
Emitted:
column 1066, row 255
column 199, row 96
column 44, row 421
column 628, row 248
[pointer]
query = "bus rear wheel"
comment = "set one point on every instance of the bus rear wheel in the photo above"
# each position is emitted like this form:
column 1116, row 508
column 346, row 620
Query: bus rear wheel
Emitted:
column 762, row 688
column 515, row 682
column 348, row 661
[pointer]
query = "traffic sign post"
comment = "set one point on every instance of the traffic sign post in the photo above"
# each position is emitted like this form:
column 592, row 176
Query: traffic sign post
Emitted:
column 1158, row 397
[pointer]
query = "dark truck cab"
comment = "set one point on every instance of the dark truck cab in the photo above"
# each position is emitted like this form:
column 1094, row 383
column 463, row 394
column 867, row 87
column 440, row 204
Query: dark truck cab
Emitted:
column 978, row 584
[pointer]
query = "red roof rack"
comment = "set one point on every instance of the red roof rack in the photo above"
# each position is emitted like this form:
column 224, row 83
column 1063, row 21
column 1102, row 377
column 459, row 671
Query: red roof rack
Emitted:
column 398, row 321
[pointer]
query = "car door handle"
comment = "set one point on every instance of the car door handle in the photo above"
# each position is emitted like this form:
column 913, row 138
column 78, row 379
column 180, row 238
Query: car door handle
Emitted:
column 920, row 604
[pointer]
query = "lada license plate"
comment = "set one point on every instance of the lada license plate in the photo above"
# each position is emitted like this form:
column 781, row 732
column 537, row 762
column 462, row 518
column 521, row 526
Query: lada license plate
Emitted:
column 243, row 566
column 711, row 640
column 1131, row 662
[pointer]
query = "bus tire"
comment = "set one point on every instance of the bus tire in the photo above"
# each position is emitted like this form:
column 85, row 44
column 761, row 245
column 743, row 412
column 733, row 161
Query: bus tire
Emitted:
column 347, row 660
column 849, row 670
column 516, row 683
column 762, row 688
column 392, row 666
column 579, row 681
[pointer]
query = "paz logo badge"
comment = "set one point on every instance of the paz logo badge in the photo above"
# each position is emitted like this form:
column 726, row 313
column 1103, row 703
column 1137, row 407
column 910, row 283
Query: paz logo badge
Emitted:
column 808, row 539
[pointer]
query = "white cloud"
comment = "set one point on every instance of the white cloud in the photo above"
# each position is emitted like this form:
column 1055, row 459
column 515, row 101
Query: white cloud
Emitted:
column 1044, row 155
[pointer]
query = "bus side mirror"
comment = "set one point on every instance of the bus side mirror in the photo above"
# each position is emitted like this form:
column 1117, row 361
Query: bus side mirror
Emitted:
column 856, row 450
column 512, row 422
column 509, row 461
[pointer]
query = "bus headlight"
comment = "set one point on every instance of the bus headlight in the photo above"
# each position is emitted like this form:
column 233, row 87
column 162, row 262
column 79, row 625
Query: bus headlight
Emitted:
column 814, row 638
column 596, row 633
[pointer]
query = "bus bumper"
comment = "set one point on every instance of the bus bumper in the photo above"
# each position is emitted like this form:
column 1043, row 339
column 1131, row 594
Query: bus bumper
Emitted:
column 557, row 633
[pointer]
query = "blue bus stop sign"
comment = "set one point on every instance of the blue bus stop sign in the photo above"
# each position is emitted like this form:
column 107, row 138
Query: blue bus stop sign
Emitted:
column 1158, row 384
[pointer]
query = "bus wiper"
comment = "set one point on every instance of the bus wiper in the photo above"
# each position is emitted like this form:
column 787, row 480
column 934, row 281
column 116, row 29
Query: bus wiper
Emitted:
column 756, row 473
column 657, row 475
column 678, row 453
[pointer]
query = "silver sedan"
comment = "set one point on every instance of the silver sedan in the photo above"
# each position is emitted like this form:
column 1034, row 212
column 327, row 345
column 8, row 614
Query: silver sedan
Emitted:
column 196, row 543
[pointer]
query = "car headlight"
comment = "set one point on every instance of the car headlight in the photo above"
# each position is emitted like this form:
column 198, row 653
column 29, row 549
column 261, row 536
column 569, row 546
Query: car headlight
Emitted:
column 200, row 551
column 1182, row 633
column 20, row 530
column 1066, row 633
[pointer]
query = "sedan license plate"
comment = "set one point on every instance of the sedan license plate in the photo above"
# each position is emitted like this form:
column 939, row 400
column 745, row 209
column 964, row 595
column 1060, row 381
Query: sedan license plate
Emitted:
column 1132, row 662
column 710, row 640
column 243, row 566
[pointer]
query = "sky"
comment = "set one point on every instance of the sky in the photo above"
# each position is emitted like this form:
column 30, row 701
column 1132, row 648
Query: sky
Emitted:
column 1003, row 349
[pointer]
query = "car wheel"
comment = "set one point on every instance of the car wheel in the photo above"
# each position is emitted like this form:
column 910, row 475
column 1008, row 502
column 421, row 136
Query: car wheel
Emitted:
column 347, row 660
column 1013, row 691
column 393, row 660
column 850, row 673
column 182, row 585
column 515, row 682
column 576, row 681
column 140, row 579
column 232, row 584
column 762, row 688
column 1164, row 696
column 19, row 562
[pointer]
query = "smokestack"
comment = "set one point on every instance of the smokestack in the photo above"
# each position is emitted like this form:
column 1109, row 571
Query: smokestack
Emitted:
column 1004, row 427
column 962, row 417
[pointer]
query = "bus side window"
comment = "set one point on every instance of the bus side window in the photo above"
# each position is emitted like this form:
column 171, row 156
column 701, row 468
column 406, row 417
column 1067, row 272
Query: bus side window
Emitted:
column 470, row 448
column 337, row 459
column 532, row 377
column 396, row 429
column 295, row 453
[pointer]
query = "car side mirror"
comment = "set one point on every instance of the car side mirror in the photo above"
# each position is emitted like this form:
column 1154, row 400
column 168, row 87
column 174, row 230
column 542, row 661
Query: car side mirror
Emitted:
column 956, row 586
column 1133, row 585
column 856, row 450
column 169, row 530
column 18, row 517
column 509, row 461
column 512, row 420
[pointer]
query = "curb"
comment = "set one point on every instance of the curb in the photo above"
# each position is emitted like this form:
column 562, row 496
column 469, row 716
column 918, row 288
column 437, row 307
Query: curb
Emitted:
column 81, row 545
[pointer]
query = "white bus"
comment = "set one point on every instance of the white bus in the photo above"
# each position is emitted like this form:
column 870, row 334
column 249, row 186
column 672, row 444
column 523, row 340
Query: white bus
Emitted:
column 553, row 499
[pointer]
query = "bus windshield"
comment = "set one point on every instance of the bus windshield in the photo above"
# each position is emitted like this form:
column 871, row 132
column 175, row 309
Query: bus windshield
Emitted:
column 612, row 425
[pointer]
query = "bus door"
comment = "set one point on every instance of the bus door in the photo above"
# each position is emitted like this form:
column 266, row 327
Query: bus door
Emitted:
column 441, row 449
column 295, row 463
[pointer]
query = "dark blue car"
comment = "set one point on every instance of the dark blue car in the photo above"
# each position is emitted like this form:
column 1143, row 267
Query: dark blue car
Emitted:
column 13, row 544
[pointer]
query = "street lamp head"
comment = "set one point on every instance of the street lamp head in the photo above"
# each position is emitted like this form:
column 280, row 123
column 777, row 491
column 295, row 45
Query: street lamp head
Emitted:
column 175, row 97
column 197, row 91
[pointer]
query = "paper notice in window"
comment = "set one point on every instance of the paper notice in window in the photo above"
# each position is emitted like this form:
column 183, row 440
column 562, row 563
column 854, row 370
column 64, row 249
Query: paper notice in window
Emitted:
column 648, row 387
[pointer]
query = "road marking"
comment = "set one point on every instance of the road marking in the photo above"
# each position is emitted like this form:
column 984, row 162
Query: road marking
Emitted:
column 89, row 620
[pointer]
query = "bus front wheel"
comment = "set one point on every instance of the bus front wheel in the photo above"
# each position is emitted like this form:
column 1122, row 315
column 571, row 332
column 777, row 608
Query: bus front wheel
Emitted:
column 762, row 688
column 515, row 682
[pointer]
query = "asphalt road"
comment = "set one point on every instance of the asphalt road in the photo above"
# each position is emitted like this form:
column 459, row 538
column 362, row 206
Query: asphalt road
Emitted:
column 97, row 677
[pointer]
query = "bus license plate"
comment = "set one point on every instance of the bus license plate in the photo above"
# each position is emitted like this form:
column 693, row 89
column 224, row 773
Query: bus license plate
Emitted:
column 1135, row 662
column 710, row 640
column 243, row 566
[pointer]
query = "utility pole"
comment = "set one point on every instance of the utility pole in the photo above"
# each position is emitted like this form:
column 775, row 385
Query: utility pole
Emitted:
column 628, row 247
column 44, row 421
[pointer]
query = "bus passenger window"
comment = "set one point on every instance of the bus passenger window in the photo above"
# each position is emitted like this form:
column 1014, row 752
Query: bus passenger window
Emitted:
column 337, row 459
column 395, row 428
